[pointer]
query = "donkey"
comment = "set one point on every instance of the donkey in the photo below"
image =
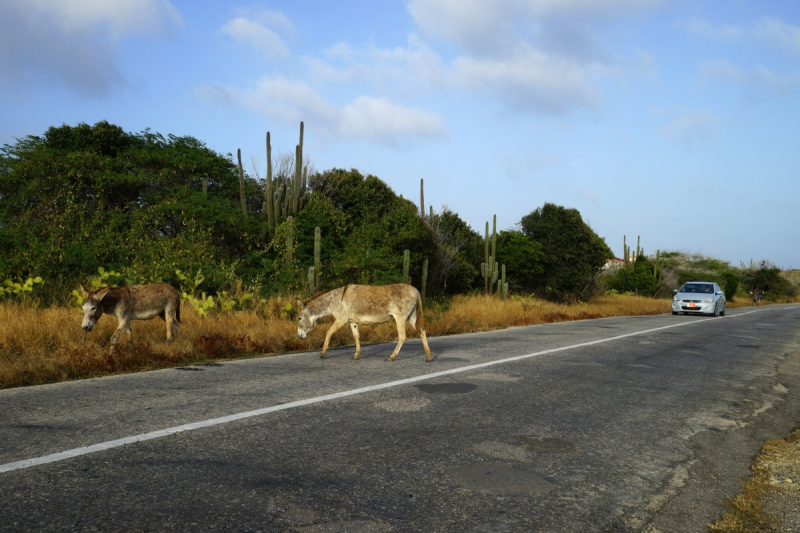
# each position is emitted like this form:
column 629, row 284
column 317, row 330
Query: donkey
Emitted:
column 134, row 302
column 365, row 304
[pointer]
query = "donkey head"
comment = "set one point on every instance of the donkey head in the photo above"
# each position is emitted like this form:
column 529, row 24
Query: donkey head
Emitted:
column 305, row 321
column 92, row 306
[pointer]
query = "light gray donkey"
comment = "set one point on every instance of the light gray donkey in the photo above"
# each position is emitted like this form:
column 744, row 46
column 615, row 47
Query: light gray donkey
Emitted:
column 366, row 304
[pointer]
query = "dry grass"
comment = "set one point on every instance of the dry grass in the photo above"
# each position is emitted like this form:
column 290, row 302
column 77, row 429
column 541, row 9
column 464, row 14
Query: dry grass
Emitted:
column 47, row 345
column 747, row 512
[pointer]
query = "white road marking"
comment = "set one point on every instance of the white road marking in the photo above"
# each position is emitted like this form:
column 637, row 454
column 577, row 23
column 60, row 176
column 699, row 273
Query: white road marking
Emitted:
column 75, row 452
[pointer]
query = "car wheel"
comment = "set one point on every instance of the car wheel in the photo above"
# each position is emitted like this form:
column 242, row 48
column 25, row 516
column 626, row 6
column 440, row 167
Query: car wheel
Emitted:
column 722, row 313
column 674, row 312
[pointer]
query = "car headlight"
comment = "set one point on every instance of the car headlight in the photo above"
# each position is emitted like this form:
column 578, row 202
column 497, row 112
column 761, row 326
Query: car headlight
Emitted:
column 708, row 300
column 676, row 299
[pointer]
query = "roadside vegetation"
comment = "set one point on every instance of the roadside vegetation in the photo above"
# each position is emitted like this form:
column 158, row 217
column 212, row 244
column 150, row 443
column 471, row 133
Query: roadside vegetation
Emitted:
column 104, row 207
column 769, row 495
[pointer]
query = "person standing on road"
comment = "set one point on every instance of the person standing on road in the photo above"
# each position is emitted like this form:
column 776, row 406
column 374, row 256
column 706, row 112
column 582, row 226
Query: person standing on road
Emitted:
column 761, row 297
column 754, row 292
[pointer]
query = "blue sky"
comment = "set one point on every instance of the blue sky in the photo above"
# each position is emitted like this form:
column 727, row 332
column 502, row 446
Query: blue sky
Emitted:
column 677, row 121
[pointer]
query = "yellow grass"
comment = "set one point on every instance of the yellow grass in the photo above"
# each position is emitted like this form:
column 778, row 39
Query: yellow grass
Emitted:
column 48, row 345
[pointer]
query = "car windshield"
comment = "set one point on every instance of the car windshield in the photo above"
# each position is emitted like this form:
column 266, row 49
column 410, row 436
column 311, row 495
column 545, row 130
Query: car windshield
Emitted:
column 704, row 288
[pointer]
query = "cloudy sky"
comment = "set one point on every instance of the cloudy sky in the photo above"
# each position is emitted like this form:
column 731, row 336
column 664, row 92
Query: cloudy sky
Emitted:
column 677, row 121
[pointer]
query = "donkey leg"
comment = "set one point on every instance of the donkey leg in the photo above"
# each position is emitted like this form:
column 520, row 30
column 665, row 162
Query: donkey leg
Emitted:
column 401, row 337
column 354, row 329
column 336, row 325
column 413, row 321
column 425, row 344
column 122, row 326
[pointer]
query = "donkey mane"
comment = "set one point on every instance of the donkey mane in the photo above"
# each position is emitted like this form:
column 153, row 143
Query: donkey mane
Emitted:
column 321, row 294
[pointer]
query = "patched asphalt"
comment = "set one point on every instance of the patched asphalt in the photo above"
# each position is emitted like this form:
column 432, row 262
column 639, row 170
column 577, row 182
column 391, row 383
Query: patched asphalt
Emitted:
column 649, row 432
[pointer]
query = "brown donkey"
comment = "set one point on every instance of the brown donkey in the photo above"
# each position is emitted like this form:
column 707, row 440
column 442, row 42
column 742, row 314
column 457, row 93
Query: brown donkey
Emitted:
column 134, row 302
column 366, row 304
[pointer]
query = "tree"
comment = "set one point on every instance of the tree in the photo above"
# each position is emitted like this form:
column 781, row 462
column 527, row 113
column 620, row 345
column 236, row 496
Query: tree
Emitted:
column 522, row 257
column 574, row 254
column 87, row 196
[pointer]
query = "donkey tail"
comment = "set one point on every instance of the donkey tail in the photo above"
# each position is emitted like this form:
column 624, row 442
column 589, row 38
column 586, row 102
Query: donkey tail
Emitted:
column 178, row 311
column 420, row 326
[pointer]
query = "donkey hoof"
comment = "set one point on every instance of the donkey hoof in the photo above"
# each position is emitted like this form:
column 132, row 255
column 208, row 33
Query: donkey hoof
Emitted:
column 322, row 356
column 355, row 357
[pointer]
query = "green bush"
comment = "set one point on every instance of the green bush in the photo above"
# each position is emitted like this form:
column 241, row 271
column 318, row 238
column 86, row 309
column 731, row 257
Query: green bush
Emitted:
column 767, row 277
column 573, row 254
column 730, row 284
column 636, row 278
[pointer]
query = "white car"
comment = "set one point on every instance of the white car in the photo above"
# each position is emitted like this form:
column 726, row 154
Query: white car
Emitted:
column 703, row 297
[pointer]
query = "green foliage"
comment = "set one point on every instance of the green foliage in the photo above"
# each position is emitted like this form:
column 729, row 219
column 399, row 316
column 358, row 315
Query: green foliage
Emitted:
column 767, row 277
column 202, row 304
column 730, row 284
column 19, row 288
column 83, row 196
column 573, row 254
column 635, row 278
column 523, row 258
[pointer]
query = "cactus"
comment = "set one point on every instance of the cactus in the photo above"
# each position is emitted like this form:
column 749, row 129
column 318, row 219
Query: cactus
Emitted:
column 312, row 282
column 298, row 173
column 503, row 285
column 422, row 199
column 406, row 265
column 285, row 195
column 625, row 250
column 290, row 240
column 317, row 258
column 241, row 182
column 268, row 193
column 424, row 276
column 489, row 267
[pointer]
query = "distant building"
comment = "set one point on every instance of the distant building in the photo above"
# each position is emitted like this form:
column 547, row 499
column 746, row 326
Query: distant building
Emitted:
column 614, row 262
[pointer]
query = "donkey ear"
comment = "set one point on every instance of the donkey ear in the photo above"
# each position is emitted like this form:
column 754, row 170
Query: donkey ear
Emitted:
column 99, row 295
column 300, row 304
column 82, row 291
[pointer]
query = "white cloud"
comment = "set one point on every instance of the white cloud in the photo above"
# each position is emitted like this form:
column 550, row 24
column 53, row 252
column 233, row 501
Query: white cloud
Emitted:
column 760, row 77
column 256, row 36
column 489, row 26
column 365, row 118
column 690, row 127
column 768, row 29
column 786, row 36
column 703, row 28
column 407, row 70
column 73, row 42
column 121, row 19
column 534, row 55
column 530, row 80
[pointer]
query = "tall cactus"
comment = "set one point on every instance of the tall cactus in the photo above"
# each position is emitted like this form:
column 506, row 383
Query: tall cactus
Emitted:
column 298, row 173
column 503, row 284
column 424, row 276
column 290, row 240
column 241, row 182
column 489, row 266
column 422, row 199
column 269, row 201
column 406, row 264
column 312, row 282
column 317, row 258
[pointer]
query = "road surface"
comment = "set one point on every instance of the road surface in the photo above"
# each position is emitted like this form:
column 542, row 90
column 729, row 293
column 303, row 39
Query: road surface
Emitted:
column 620, row 424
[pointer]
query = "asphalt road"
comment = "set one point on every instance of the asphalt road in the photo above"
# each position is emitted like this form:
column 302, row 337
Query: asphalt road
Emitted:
column 622, row 424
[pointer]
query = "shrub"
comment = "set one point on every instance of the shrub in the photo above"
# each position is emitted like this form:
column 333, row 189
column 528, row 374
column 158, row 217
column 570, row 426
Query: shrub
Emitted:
column 574, row 254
